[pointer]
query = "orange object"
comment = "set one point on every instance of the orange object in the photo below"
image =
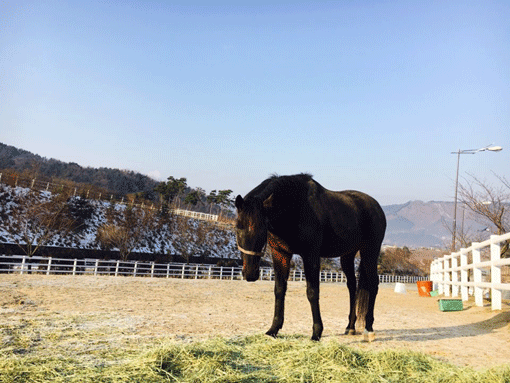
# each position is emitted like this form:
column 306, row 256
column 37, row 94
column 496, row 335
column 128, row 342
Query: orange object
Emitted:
column 424, row 288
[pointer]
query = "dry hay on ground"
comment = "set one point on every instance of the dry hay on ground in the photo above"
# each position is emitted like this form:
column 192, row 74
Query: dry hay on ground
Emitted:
column 91, row 316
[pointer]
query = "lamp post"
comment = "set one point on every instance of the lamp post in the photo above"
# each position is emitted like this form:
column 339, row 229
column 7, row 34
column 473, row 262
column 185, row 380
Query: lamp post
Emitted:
column 490, row 148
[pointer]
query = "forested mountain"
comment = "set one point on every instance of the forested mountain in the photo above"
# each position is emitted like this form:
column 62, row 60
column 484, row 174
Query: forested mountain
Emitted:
column 117, row 181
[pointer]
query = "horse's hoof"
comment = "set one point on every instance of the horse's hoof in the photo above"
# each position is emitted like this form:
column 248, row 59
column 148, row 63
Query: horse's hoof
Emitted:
column 272, row 335
column 350, row 331
column 369, row 336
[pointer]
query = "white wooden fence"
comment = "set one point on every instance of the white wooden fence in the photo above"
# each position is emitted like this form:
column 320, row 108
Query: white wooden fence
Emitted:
column 196, row 214
column 466, row 271
column 23, row 264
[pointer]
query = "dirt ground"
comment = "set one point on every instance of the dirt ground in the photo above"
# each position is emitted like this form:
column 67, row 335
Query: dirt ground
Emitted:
column 149, row 311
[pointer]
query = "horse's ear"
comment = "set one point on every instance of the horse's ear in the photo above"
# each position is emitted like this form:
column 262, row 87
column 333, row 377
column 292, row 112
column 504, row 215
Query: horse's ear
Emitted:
column 268, row 203
column 239, row 202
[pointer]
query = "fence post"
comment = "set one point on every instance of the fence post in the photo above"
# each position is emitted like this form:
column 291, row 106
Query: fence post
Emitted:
column 96, row 267
column 196, row 272
column 168, row 270
column 152, row 269
column 464, row 274
column 495, row 273
column 221, row 272
column 433, row 274
column 477, row 276
column 455, row 276
column 134, row 268
column 210, row 271
column 23, row 259
column 446, row 278
column 49, row 266
column 74, row 266
column 232, row 275
column 183, row 271
column 440, row 275
column 117, row 268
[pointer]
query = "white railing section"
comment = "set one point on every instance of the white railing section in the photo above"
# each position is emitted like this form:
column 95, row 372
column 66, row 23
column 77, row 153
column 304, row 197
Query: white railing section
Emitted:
column 465, row 271
column 196, row 214
column 22, row 264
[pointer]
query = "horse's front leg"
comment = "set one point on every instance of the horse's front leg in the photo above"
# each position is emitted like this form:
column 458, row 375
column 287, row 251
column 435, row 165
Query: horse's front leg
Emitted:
column 281, row 262
column 312, row 273
column 280, row 289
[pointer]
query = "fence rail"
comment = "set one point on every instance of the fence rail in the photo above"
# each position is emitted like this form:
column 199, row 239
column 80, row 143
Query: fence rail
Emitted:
column 22, row 264
column 196, row 214
column 465, row 271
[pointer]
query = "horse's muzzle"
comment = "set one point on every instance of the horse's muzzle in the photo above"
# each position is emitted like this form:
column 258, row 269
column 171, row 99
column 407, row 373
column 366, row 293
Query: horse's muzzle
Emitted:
column 252, row 278
column 251, row 275
column 251, row 267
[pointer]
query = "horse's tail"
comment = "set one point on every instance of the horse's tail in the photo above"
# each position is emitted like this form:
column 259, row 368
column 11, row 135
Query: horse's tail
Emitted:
column 362, row 296
column 368, row 286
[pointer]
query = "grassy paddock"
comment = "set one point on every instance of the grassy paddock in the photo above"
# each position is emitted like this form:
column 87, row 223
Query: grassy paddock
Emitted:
column 244, row 359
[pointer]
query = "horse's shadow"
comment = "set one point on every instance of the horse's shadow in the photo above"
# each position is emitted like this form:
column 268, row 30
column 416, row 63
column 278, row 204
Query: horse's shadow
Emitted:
column 446, row 332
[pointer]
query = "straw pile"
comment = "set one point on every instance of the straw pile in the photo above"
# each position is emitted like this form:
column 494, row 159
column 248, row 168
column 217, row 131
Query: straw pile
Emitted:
column 249, row 359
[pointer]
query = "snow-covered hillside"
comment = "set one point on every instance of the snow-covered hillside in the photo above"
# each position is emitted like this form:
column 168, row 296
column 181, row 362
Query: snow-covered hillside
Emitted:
column 170, row 235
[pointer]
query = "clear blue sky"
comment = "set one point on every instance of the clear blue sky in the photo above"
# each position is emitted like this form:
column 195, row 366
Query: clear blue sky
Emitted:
column 367, row 95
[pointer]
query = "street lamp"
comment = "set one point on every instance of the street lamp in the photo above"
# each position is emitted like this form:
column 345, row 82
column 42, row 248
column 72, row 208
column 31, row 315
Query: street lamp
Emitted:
column 490, row 148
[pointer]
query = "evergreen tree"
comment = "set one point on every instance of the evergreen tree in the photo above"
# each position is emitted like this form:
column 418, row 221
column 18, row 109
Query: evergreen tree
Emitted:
column 171, row 189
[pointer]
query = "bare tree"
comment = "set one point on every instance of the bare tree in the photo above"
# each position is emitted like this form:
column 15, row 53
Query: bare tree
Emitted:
column 488, row 202
column 125, row 229
column 464, row 235
column 397, row 261
column 186, row 236
column 38, row 218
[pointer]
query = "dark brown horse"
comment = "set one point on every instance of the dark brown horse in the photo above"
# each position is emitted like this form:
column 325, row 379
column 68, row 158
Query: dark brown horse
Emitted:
column 296, row 215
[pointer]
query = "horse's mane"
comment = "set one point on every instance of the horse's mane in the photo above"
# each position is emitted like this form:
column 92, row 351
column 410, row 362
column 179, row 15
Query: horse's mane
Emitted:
column 276, row 183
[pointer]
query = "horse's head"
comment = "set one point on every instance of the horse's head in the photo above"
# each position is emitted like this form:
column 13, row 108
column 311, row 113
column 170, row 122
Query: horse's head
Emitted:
column 251, row 232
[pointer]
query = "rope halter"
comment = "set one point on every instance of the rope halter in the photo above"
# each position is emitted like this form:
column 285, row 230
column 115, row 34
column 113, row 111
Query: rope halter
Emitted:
column 255, row 253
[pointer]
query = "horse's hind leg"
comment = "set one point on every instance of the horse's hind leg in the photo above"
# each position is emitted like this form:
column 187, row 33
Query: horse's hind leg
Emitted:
column 368, row 288
column 347, row 263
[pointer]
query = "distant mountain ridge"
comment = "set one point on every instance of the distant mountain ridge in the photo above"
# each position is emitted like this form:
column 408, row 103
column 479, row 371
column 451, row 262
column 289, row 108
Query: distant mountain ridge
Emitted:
column 424, row 224
column 114, row 180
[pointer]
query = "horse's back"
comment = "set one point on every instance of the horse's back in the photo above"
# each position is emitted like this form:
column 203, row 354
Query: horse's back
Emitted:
column 351, row 219
column 369, row 212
